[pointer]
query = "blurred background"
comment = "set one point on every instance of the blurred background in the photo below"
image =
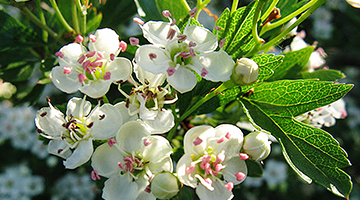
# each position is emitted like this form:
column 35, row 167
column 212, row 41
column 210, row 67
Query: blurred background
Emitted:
column 27, row 171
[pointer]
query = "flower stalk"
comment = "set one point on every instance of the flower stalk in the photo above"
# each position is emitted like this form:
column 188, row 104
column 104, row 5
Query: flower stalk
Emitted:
column 61, row 17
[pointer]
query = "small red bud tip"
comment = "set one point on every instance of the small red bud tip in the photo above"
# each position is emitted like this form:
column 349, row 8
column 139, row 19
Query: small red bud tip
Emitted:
column 138, row 21
column 111, row 142
column 229, row 186
column 94, row 175
column 59, row 54
column 92, row 38
column 166, row 13
column 222, row 43
column 240, row 176
column 243, row 156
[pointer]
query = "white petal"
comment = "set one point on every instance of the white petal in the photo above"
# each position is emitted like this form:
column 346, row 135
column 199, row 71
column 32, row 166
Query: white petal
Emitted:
column 78, row 107
column 157, row 65
column 186, row 179
column 72, row 53
column 231, row 146
column 156, row 32
column 205, row 40
column 218, row 64
column 160, row 145
column 164, row 165
column 203, row 132
column 233, row 166
column 96, row 89
column 107, row 41
column 59, row 148
column 298, row 43
column 130, row 137
column 162, row 123
column 144, row 112
column 120, row 187
column 143, row 182
column 51, row 122
column 220, row 192
column 183, row 80
column 105, row 159
column 153, row 79
column 354, row 3
column 121, row 107
column 68, row 83
column 120, row 69
column 107, row 126
column 80, row 156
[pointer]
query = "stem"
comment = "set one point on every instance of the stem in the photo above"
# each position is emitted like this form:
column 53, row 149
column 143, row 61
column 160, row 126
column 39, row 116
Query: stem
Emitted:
column 200, row 5
column 83, row 12
column 254, row 31
column 270, row 26
column 5, row 2
column 234, row 6
column 212, row 94
column 61, row 17
column 42, row 19
column 105, row 99
column 36, row 21
column 305, row 15
column 269, row 10
column 75, row 18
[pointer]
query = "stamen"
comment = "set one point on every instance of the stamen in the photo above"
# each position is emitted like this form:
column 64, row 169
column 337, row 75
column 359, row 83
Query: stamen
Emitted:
column 90, row 54
column 123, row 46
column 90, row 125
column 107, row 75
column 134, row 41
column 92, row 38
column 148, row 189
column 190, row 169
column 204, row 72
column 101, row 117
column 43, row 114
column 166, row 13
column 243, row 156
column 171, row 34
column 193, row 12
column 138, row 20
column 147, row 142
column 111, row 142
column 112, row 57
column 229, row 186
column 221, row 139
column 192, row 52
column 79, row 39
column 217, row 28
column 59, row 54
column 81, row 59
column 197, row 141
column 121, row 165
column 152, row 56
column 184, row 54
column 228, row 136
column 95, row 175
column 222, row 43
column 67, row 70
column 219, row 167
column 240, row 176
column 170, row 71
column 59, row 151
column 39, row 130
column 81, row 77
column 220, row 157
column 182, row 38
column 100, row 54
column 192, row 44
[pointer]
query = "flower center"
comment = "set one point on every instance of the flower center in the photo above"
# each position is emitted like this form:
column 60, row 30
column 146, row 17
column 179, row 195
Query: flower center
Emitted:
column 91, row 67
column 132, row 164
column 77, row 130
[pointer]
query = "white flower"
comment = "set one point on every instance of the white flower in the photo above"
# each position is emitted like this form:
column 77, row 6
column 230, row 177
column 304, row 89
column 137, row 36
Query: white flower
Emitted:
column 245, row 72
column 324, row 116
column 146, row 102
column 257, row 145
column 164, row 185
column 178, row 54
column 210, row 155
column 77, row 130
column 91, row 71
column 354, row 3
column 6, row 89
column 131, row 162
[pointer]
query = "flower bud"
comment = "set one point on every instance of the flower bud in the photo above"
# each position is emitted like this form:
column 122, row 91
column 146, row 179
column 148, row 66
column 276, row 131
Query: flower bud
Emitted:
column 245, row 72
column 164, row 185
column 257, row 145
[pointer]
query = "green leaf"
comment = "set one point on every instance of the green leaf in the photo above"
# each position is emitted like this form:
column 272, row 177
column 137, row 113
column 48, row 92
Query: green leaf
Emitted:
column 324, row 75
column 31, row 94
column 236, row 29
column 313, row 153
column 94, row 22
column 298, row 96
column 16, row 72
column 294, row 62
column 254, row 168
column 14, row 34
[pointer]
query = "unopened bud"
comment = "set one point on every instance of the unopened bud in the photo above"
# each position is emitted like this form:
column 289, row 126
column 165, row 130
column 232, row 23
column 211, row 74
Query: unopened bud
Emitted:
column 245, row 72
column 164, row 185
column 257, row 145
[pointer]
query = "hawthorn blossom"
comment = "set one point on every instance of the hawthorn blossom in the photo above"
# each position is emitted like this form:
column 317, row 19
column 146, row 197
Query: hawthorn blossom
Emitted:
column 91, row 70
column 130, row 163
column 324, row 116
column 71, row 136
column 146, row 102
column 212, row 163
column 179, row 54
